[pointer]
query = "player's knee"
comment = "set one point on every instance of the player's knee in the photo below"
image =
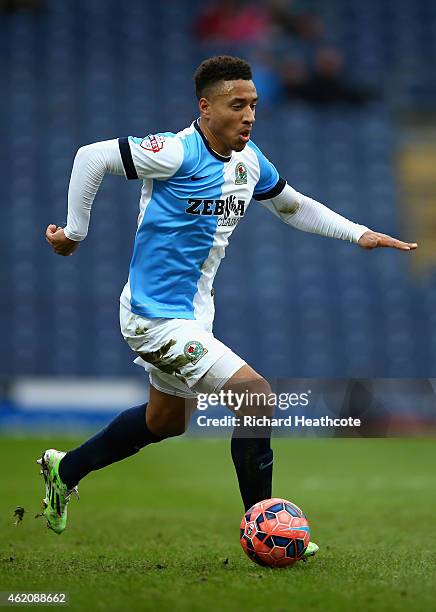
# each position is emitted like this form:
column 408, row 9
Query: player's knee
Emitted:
column 256, row 395
column 260, row 394
column 164, row 427
column 167, row 429
column 167, row 416
column 173, row 430
column 259, row 386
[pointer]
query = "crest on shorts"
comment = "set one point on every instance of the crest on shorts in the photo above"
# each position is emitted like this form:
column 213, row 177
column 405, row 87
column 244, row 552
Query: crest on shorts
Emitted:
column 194, row 351
column 153, row 143
column 240, row 174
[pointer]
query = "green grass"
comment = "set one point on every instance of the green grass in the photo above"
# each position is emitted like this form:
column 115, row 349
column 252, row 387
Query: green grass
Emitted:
column 156, row 531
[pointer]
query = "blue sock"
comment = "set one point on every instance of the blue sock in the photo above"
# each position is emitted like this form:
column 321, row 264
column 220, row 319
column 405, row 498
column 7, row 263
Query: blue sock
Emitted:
column 123, row 437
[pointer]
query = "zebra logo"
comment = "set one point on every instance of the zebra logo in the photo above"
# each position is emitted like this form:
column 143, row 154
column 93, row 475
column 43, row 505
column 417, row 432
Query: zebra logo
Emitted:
column 230, row 206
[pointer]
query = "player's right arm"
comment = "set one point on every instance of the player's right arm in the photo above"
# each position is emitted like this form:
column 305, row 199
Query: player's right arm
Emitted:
column 154, row 157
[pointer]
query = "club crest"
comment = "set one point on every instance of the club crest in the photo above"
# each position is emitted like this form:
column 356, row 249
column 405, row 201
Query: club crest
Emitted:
column 194, row 351
column 240, row 174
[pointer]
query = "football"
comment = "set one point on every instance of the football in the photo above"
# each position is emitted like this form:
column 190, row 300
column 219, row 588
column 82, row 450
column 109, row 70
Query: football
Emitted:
column 274, row 532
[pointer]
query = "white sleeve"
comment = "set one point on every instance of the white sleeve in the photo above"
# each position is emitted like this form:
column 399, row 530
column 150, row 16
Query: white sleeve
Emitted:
column 157, row 156
column 91, row 163
column 309, row 215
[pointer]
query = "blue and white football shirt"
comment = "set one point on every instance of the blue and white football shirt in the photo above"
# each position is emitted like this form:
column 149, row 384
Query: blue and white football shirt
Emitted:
column 192, row 199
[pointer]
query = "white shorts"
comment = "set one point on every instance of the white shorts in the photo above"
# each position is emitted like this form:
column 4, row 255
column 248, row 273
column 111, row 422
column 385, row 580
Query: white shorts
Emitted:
column 182, row 356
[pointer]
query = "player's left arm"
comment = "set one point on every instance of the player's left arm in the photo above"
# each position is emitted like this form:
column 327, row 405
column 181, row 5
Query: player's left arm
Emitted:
column 308, row 215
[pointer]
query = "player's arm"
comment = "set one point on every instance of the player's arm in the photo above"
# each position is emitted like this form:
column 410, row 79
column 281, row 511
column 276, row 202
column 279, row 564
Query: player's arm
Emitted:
column 124, row 157
column 90, row 165
column 308, row 215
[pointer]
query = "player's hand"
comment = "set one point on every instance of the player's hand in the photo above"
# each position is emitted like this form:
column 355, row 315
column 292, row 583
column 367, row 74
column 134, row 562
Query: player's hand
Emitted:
column 60, row 243
column 373, row 240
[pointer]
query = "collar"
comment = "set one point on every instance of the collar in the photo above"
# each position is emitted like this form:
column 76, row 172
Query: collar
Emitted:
column 222, row 158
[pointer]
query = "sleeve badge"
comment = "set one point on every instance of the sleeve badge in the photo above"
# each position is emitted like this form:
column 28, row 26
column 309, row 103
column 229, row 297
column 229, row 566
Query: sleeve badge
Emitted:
column 153, row 143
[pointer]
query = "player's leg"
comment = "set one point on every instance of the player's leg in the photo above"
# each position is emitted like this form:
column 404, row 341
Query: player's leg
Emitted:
column 211, row 368
column 251, row 444
column 168, row 415
column 164, row 416
column 185, row 354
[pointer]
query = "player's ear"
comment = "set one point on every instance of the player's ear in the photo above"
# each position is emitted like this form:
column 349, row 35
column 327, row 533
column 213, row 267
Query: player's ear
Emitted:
column 204, row 106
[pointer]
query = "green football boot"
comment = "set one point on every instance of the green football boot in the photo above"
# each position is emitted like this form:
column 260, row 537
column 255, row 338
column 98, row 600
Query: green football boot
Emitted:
column 57, row 495
column 310, row 551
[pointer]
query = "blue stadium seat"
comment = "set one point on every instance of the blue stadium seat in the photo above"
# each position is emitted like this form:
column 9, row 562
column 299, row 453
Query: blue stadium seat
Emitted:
column 82, row 72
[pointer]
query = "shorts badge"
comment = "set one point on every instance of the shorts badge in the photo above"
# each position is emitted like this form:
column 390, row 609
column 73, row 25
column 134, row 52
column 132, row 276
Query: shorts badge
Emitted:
column 194, row 351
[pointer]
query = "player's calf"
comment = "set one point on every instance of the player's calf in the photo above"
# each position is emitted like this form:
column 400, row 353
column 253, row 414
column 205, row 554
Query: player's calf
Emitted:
column 121, row 438
column 251, row 440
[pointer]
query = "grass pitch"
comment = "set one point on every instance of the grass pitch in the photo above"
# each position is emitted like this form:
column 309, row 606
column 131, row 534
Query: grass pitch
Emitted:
column 160, row 530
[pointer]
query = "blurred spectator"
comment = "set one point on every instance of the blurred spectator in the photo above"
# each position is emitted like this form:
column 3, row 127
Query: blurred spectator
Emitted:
column 232, row 21
column 326, row 84
column 12, row 6
column 278, row 73
column 266, row 77
column 295, row 76
column 303, row 25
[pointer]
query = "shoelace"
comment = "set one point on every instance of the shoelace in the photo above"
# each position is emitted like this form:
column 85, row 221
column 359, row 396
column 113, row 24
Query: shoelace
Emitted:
column 74, row 490
column 67, row 497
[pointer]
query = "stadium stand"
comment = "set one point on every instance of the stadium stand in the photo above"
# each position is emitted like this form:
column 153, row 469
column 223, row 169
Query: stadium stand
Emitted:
column 290, row 303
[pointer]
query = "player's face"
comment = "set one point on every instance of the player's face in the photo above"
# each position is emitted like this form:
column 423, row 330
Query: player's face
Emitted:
column 229, row 114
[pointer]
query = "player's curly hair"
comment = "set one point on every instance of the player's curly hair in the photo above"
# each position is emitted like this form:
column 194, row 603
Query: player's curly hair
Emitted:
column 220, row 68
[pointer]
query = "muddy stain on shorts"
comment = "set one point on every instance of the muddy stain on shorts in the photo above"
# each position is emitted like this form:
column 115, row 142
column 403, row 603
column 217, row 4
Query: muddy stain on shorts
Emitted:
column 160, row 359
